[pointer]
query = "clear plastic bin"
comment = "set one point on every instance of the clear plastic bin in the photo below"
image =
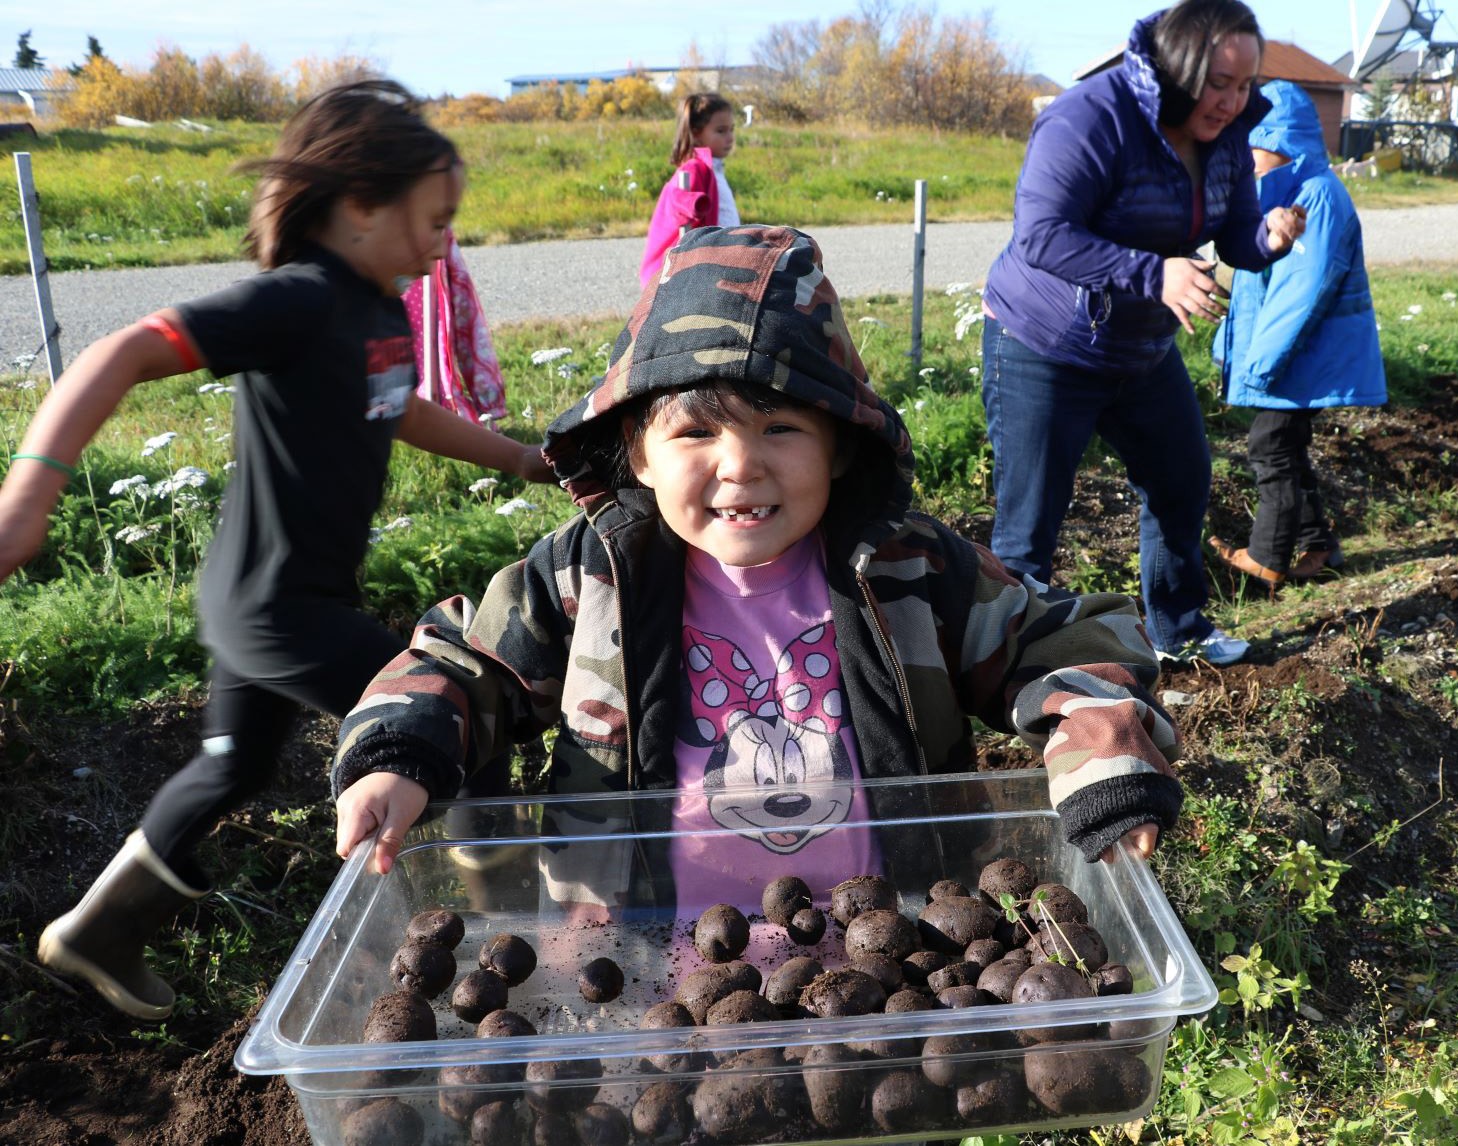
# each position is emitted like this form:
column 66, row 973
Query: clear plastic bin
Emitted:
column 508, row 865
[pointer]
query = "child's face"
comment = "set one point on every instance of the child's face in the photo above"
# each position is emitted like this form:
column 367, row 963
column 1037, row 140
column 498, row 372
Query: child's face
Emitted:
column 744, row 492
column 408, row 235
column 718, row 134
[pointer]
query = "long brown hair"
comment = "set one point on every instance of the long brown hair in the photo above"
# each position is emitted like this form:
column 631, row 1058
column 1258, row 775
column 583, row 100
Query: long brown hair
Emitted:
column 693, row 114
column 1185, row 37
column 365, row 141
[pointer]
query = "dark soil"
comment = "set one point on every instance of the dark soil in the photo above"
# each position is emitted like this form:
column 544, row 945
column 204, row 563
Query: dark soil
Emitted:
column 1346, row 701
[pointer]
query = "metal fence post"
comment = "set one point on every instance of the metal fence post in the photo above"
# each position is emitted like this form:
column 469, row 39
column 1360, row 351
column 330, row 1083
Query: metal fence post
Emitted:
column 918, row 269
column 39, row 268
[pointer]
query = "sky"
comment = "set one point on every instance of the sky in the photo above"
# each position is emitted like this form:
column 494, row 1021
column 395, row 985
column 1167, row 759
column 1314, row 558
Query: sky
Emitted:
column 461, row 46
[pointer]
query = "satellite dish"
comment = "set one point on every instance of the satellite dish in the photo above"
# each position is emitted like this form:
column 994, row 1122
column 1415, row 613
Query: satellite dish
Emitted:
column 1395, row 19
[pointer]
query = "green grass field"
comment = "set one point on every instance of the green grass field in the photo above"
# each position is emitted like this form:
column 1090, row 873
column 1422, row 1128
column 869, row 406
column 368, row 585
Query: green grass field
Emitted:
column 162, row 195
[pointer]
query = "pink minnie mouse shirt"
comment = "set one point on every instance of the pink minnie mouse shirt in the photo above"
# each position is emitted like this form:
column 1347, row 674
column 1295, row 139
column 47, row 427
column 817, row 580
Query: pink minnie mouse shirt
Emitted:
column 767, row 713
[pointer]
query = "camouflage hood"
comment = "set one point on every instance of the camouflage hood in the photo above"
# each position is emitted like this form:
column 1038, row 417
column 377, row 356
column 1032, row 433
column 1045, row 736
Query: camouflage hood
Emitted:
column 745, row 304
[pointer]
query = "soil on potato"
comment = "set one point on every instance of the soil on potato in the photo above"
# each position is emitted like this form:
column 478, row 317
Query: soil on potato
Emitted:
column 1344, row 696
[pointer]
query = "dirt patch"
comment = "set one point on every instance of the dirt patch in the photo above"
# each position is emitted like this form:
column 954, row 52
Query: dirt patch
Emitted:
column 1335, row 732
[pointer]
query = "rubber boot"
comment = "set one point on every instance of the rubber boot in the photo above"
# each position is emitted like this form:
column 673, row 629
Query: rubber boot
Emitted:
column 102, row 938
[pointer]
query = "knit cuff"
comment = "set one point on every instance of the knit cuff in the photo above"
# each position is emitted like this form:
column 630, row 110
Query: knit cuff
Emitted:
column 407, row 756
column 1097, row 816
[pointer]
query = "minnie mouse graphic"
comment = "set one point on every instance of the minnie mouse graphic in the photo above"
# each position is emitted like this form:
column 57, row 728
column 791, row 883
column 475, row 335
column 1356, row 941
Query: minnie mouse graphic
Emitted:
column 778, row 771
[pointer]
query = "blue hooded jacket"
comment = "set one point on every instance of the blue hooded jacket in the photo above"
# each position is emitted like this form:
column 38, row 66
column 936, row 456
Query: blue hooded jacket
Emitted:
column 1302, row 334
column 1102, row 201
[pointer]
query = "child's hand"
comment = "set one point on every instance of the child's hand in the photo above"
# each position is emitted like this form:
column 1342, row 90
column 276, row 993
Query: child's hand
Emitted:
column 1142, row 839
column 1284, row 225
column 382, row 803
column 533, row 466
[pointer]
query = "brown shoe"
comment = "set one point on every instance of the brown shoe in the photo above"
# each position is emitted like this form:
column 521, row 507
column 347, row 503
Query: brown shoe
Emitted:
column 1242, row 562
column 1313, row 562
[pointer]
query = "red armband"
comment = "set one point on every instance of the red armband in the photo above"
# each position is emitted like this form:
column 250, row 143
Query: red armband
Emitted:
column 185, row 353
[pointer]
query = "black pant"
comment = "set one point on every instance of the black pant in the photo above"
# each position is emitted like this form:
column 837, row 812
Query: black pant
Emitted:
column 1289, row 515
column 321, row 657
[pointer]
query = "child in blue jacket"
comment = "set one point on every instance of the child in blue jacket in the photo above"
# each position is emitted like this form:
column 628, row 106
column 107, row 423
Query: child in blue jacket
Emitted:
column 1300, row 336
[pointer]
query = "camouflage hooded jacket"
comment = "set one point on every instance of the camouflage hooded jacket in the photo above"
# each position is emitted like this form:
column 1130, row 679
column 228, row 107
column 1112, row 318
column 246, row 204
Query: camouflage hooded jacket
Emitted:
column 583, row 634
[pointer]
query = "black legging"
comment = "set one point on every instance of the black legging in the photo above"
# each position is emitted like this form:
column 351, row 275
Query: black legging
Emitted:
column 324, row 660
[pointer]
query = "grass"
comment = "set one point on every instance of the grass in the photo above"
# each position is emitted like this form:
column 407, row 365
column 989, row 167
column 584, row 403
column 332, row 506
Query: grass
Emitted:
column 165, row 196
column 99, row 625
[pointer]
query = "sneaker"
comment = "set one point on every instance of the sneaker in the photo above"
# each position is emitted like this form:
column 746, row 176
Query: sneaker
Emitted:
column 1217, row 649
column 1242, row 562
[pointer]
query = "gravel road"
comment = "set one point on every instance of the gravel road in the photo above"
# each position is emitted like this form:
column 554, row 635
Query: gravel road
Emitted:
column 599, row 276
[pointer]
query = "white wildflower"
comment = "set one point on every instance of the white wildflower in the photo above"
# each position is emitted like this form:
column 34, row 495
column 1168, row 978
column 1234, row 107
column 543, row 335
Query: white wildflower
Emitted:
column 628, row 172
column 136, row 482
column 871, row 320
column 1422, row 347
column 229, row 467
column 919, row 404
column 542, row 357
column 398, row 523
column 633, row 186
column 1404, row 318
column 209, row 387
column 926, row 371
column 189, row 477
column 482, row 485
column 1415, row 308
column 567, row 369
column 506, row 509
column 974, row 370
column 528, row 412
column 965, row 322
column 161, row 441
column 603, row 351
column 1449, row 296
column 131, row 534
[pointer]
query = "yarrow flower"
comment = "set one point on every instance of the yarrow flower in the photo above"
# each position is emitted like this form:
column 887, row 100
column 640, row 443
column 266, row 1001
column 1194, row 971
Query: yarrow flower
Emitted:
column 919, row 404
column 871, row 320
column 1415, row 308
column 481, row 485
column 189, row 476
column 131, row 534
column 542, row 357
column 398, row 523
column 136, row 482
column 152, row 445
column 567, row 369
column 506, row 509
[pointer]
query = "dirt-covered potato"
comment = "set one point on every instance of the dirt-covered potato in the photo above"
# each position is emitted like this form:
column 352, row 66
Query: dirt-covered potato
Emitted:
column 858, row 895
column 946, row 889
column 1007, row 876
column 495, row 1123
column 562, row 1086
column 661, row 1116
column 964, row 996
column 944, row 1058
column 783, row 897
column 425, row 968
column 510, row 956
column 807, row 926
column 661, row 1016
column 992, row 1097
column 504, row 1025
column 905, row 1101
column 1055, row 901
column 837, row 1096
column 1046, row 983
column 844, row 992
column 880, row 932
column 699, row 990
column 437, row 925
column 883, row 969
column 478, row 994
column 1113, row 979
column 984, row 952
column 600, row 1124
column 388, row 1122
column 786, row 981
column 948, row 925
column 741, row 1007
column 600, row 980
column 998, row 978
column 721, row 933
column 953, row 975
column 919, row 966
column 461, row 1093
column 738, row 1105
column 1071, row 942
column 399, row 1017
column 1111, row 1081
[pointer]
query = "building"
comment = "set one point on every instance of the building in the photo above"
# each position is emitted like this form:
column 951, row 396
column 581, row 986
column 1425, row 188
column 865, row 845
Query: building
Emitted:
column 32, row 92
column 1329, row 89
column 1430, row 72
column 697, row 77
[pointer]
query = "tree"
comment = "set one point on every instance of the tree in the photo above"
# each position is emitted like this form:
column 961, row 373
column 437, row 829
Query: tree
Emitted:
column 25, row 55
column 93, row 52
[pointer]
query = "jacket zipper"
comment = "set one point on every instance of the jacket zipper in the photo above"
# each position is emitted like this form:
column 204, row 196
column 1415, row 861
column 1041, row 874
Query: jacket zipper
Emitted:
column 890, row 654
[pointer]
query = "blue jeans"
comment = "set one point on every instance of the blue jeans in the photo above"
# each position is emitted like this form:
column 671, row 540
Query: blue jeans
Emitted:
column 1041, row 416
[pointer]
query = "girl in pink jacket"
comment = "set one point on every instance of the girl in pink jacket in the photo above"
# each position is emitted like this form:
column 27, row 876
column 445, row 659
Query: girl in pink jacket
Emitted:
column 697, row 194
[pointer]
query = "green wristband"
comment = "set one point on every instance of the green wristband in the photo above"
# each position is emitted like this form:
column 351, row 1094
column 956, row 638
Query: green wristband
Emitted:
column 69, row 471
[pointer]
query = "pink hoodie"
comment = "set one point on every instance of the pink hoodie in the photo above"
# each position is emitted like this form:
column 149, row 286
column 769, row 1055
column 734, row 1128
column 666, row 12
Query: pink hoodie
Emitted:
column 690, row 198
